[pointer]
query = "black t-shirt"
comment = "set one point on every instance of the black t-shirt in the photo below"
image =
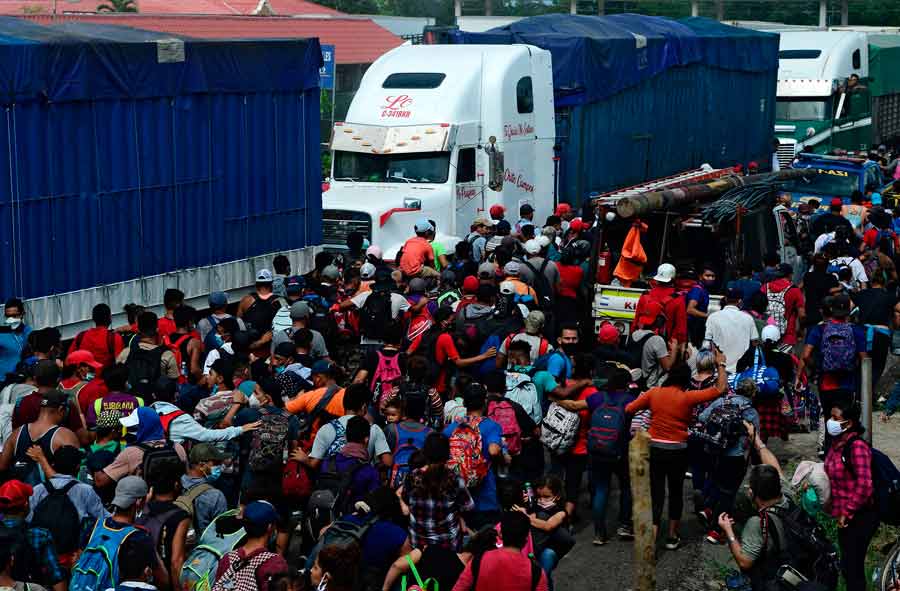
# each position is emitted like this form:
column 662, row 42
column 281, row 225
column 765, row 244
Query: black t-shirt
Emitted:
column 827, row 222
column 816, row 286
column 875, row 306
column 441, row 564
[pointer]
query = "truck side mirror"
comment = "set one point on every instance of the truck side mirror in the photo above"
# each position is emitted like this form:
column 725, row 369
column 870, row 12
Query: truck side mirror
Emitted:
column 495, row 165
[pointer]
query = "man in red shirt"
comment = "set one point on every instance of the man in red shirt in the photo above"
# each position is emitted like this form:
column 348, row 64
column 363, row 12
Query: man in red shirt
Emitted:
column 417, row 259
column 104, row 344
column 662, row 300
column 437, row 344
column 172, row 298
column 85, row 382
column 786, row 304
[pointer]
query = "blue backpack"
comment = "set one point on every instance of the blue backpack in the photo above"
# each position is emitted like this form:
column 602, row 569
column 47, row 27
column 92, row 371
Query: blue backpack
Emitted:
column 98, row 566
column 606, row 434
column 767, row 379
column 219, row 538
column 408, row 442
column 543, row 362
column 838, row 347
column 886, row 482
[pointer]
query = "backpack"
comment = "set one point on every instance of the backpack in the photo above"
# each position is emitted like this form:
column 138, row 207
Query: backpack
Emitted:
column 344, row 532
column 427, row 349
column 542, row 347
column 540, row 284
column 181, row 359
column 466, row 452
column 209, row 342
column 57, row 514
column 308, row 420
column 838, row 347
column 261, row 312
column 801, row 543
column 420, row 394
column 386, row 378
column 322, row 320
column 98, row 565
column 536, row 571
column 634, row 349
column 520, row 389
column 767, row 379
column 559, row 429
column 160, row 457
column 606, row 439
column 332, row 493
column 186, row 501
column 144, row 369
column 503, row 413
column 210, row 411
column 429, row 584
column 340, row 438
column 723, row 428
column 654, row 316
column 542, row 363
column 241, row 572
column 776, row 308
column 375, row 316
column 282, row 319
column 219, row 538
column 885, row 481
column 268, row 442
column 159, row 527
column 408, row 441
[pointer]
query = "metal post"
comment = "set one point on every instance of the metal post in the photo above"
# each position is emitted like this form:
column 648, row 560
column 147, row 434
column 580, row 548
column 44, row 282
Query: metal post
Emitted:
column 642, row 515
column 865, row 392
column 573, row 6
column 457, row 8
column 845, row 12
column 489, row 8
column 720, row 10
column 601, row 7
column 823, row 14
column 695, row 8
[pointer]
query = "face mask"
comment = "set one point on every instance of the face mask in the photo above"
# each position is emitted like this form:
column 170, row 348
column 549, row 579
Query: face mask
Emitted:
column 13, row 322
column 254, row 402
column 546, row 503
column 280, row 369
column 217, row 339
column 708, row 283
column 89, row 376
column 570, row 348
column 521, row 368
column 809, row 501
column 834, row 427
column 214, row 473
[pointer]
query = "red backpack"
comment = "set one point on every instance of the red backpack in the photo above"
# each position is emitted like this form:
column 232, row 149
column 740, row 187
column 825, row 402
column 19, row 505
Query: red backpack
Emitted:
column 654, row 316
column 503, row 413
column 386, row 379
column 466, row 456
column 180, row 361
column 542, row 348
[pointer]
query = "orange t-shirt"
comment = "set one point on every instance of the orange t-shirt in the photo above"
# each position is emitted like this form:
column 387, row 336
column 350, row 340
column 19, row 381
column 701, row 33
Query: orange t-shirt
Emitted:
column 416, row 252
column 671, row 410
column 307, row 401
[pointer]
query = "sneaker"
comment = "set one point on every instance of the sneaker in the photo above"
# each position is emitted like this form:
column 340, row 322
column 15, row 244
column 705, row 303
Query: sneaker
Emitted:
column 600, row 540
column 673, row 543
column 714, row 536
column 706, row 517
column 625, row 532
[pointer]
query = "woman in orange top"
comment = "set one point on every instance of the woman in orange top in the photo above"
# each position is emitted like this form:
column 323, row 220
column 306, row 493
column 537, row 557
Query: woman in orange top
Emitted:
column 671, row 408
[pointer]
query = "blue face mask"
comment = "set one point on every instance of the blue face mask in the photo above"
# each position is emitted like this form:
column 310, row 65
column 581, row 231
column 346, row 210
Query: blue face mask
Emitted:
column 280, row 369
column 214, row 389
column 89, row 376
column 214, row 474
column 217, row 339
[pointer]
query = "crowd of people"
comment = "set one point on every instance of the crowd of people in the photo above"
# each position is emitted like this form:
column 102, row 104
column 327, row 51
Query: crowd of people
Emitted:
column 431, row 421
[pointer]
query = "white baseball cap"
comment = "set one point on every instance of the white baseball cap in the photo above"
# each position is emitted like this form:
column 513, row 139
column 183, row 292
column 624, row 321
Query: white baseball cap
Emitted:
column 367, row 271
column 665, row 273
column 532, row 246
column 770, row 332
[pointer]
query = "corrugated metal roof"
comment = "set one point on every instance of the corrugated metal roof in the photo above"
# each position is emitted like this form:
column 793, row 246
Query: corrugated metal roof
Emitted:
column 219, row 7
column 356, row 40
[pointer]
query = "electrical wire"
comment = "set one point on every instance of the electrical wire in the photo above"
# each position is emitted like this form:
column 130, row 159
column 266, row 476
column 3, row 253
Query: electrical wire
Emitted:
column 748, row 197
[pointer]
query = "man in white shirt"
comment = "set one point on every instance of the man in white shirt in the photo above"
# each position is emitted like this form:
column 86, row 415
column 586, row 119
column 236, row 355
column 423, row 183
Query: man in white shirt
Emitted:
column 731, row 330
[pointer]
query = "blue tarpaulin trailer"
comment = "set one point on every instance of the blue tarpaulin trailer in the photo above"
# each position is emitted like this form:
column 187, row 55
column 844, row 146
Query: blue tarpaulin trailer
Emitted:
column 641, row 97
column 132, row 161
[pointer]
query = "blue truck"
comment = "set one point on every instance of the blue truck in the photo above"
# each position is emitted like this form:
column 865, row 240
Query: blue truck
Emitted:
column 133, row 161
column 838, row 177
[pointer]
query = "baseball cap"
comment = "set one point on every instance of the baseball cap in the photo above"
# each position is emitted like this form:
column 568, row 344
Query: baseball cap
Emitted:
column 129, row 491
column 204, row 452
column 15, row 494
column 82, row 356
column 217, row 299
column 836, row 202
column 770, row 332
column 753, row 165
column 876, row 198
column 503, row 227
column 54, row 399
column 331, row 273
column 448, row 277
column 300, row 310
column 507, row 288
column 733, row 294
column 497, row 210
column 562, row 208
column 532, row 246
column 367, row 271
column 487, row 270
column 785, row 270
column 417, row 285
column 526, row 208
column 294, row 284
column 322, row 366
column 264, row 276
column 132, row 420
column 482, row 221
column 374, row 251
column 284, row 349
column 608, row 335
column 577, row 226
column 511, row 268
column 470, row 284
column 423, row 225
column 665, row 273
column 260, row 513
column 534, row 322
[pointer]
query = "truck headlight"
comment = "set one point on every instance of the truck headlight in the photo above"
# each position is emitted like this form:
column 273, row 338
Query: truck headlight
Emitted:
column 810, row 132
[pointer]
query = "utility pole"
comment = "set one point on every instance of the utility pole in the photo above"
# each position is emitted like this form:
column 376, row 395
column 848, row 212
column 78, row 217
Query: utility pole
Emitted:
column 457, row 8
column 573, row 6
column 489, row 8
column 845, row 12
column 642, row 514
column 823, row 14
column 695, row 8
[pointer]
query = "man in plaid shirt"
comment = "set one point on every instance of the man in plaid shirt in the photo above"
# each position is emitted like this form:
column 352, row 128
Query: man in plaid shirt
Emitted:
column 36, row 560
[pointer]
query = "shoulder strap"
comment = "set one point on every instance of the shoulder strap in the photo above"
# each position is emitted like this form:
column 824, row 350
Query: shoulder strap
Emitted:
column 186, row 501
column 65, row 489
column 323, row 402
column 544, row 264
column 415, row 572
column 535, row 574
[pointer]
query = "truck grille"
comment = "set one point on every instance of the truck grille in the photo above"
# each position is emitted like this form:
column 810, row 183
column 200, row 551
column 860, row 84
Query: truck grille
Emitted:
column 337, row 224
column 786, row 153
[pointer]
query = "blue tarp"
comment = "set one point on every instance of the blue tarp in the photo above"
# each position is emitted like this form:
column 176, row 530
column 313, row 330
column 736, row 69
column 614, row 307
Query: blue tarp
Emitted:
column 597, row 57
column 78, row 61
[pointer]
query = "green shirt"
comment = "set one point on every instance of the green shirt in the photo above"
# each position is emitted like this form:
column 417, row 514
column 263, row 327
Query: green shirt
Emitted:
column 439, row 251
column 543, row 382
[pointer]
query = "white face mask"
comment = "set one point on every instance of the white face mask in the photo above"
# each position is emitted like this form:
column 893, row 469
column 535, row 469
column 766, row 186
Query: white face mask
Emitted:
column 254, row 402
column 834, row 427
column 13, row 322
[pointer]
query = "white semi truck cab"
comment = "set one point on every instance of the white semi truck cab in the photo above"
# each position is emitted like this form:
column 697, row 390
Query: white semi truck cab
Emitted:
column 442, row 132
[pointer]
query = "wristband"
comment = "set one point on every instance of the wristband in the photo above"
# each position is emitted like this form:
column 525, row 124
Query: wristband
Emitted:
column 732, row 540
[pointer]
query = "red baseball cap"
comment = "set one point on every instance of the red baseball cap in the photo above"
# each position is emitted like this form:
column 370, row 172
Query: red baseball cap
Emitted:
column 15, row 494
column 81, row 356
column 563, row 208
column 470, row 284
column 577, row 226
column 608, row 335
column 836, row 202
column 497, row 211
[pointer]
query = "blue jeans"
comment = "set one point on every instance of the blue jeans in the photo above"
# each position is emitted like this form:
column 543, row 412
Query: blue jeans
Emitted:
column 601, row 474
column 548, row 561
column 893, row 401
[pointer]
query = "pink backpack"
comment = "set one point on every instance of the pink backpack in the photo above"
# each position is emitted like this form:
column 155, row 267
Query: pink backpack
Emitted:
column 503, row 413
column 386, row 379
column 466, row 454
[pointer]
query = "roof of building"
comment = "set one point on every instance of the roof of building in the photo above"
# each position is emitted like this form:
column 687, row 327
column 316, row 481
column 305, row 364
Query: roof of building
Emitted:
column 217, row 7
column 356, row 40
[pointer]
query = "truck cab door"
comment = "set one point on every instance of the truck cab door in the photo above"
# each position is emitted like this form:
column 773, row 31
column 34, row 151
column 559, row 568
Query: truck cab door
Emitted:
column 469, row 189
column 788, row 239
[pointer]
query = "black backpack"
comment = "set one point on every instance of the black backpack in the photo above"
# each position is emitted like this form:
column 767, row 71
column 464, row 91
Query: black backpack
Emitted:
column 540, row 284
column 160, row 458
column 634, row 349
column 417, row 395
column 331, row 497
column 375, row 316
column 723, row 428
column 259, row 315
column 57, row 514
column 144, row 369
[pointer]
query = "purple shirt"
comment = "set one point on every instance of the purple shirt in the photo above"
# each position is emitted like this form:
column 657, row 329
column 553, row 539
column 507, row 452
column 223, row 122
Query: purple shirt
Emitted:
column 120, row 403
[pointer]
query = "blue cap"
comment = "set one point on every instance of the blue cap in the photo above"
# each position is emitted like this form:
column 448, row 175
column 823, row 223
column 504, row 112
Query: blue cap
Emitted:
column 260, row 513
column 876, row 198
column 217, row 299
column 294, row 284
column 321, row 366
column 423, row 225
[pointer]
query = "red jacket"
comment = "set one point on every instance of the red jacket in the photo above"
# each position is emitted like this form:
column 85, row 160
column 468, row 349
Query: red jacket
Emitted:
column 675, row 311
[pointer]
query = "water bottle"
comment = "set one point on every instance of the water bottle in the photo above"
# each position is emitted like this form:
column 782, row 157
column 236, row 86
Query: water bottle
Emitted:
column 528, row 492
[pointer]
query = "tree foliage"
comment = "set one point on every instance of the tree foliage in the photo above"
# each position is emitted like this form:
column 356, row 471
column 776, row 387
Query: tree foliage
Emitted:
column 117, row 6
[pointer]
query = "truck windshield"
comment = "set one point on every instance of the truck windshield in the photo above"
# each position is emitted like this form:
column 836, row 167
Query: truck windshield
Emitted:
column 838, row 183
column 429, row 167
column 802, row 109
